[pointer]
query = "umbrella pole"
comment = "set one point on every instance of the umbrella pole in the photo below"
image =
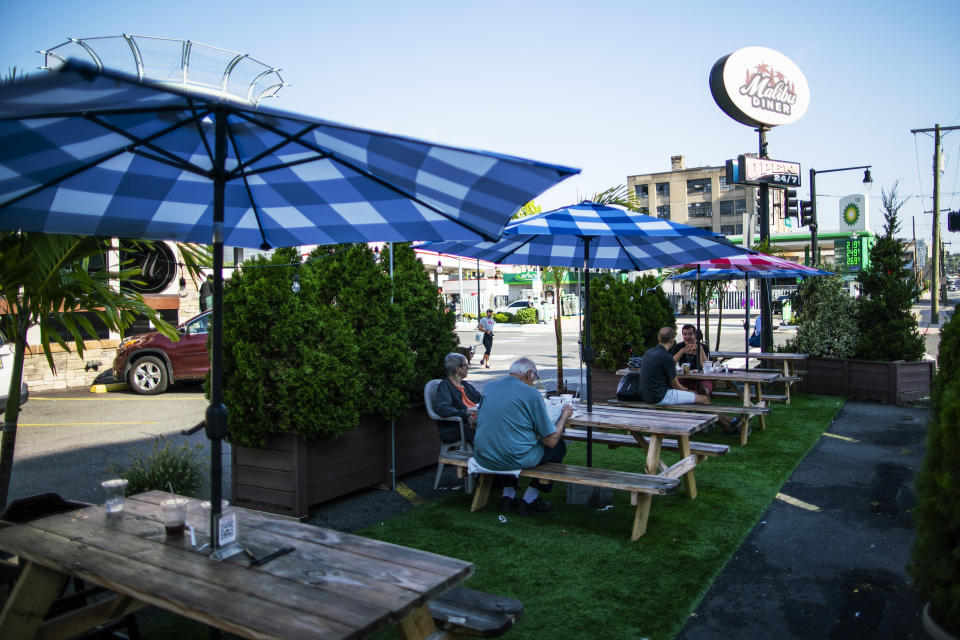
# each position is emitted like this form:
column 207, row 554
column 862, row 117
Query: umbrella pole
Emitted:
column 588, row 347
column 746, row 323
column 216, row 414
column 698, row 297
column 393, row 424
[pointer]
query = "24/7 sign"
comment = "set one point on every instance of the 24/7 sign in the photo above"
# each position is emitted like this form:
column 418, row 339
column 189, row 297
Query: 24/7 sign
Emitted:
column 754, row 171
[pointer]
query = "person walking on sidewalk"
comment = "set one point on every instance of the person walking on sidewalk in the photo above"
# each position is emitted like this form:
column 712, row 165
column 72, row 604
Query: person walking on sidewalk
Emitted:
column 486, row 325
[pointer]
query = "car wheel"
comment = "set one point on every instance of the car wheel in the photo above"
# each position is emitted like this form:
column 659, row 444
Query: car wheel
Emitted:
column 148, row 376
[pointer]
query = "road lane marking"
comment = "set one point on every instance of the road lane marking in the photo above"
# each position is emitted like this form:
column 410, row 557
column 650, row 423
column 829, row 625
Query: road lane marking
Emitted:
column 106, row 398
column 844, row 438
column 409, row 494
column 74, row 424
column 797, row 503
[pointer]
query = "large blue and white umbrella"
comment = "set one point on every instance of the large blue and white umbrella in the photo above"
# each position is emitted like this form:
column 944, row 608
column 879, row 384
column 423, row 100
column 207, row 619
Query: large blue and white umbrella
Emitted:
column 590, row 235
column 101, row 153
column 614, row 239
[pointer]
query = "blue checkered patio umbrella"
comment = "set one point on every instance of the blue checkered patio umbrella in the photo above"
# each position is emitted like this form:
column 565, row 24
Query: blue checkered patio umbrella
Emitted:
column 747, row 265
column 595, row 236
column 99, row 153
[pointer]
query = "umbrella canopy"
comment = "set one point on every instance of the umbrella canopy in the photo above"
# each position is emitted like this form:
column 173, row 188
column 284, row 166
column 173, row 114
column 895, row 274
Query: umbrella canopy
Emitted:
column 102, row 153
column 752, row 264
column 616, row 239
column 591, row 235
column 736, row 274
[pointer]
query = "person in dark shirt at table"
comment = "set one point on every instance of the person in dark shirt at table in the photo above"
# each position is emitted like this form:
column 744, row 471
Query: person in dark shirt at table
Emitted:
column 659, row 383
column 658, row 375
column 453, row 397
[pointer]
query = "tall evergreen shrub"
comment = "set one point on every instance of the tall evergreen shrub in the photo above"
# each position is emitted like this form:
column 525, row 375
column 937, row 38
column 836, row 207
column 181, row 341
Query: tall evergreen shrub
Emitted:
column 428, row 326
column 352, row 282
column 624, row 313
column 614, row 321
column 936, row 552
column 291, row 361
column 654, row 311
column 888, row 329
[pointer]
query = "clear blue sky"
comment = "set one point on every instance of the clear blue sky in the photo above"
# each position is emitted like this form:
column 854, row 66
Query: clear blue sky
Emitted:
column 614, row 88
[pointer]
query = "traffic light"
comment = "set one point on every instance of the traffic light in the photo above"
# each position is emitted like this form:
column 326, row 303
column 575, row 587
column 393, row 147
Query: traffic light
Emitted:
column 953, row 221
column 806, row 214
column 790, row 203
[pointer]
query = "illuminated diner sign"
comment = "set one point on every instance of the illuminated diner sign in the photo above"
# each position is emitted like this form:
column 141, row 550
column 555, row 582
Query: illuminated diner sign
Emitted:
column 759, row 87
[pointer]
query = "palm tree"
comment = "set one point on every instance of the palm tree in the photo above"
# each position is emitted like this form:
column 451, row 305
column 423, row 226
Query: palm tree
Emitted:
column 44, row 280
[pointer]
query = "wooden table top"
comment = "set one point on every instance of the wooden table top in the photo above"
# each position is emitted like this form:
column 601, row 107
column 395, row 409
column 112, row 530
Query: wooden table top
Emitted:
column 334, row 585
column 653, row 421
column 758, row 355
column 732, row 376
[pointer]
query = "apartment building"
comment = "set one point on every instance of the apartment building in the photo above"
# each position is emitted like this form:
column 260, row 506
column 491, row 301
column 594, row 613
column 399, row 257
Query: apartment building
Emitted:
column 701, row 197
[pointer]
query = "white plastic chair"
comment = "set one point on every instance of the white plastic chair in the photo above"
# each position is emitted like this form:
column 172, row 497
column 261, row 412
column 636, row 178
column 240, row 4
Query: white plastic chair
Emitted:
column 462, row 443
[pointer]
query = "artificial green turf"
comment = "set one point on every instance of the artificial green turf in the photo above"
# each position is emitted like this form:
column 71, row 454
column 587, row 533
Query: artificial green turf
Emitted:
column 576, row 570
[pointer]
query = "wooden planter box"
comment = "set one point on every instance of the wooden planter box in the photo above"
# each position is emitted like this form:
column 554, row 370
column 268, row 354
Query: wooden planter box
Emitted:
column 289, row 475
column 890, row 382
column 604, row 384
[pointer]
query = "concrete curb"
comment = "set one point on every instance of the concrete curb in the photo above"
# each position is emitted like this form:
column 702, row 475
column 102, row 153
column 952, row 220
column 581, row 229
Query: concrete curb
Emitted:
column 104, row 388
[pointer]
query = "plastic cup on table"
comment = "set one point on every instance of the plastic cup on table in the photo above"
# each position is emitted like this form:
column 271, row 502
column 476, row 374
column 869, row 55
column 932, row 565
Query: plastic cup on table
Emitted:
column 174, row 515
column 114, row 491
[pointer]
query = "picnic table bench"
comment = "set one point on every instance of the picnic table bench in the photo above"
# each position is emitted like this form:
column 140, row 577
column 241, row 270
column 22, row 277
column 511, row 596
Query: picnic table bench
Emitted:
column 785, row 360
column 469, row 613
column 642, row 486
column 614, row 440
column 745, row 413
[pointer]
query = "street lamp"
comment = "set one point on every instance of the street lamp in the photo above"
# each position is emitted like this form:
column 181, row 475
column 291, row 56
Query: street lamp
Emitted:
column 867, row 180
column 439, row 271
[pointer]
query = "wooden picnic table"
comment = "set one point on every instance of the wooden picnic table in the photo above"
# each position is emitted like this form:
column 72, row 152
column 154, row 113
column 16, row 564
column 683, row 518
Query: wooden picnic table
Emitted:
column 333, row 585
column 747, row 378
column 649, row 427
column 783, row 359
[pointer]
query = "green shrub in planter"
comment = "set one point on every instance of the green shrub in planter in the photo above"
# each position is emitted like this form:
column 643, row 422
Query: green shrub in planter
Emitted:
column 291, row 361
column 527, row 316
column 180, row 467
column 428, row 329
column 614, row 321
column 353, row 283
column 827, row 321
column 936, row 552
column 505, row 318
column 654, row 311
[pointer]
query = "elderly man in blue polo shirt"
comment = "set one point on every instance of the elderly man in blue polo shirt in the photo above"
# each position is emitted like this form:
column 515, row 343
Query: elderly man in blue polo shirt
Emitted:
column 514, row 432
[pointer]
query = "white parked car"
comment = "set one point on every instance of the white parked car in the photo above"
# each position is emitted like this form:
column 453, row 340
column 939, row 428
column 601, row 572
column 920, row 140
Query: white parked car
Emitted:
column 514, row 306
column 544, row 311
column 6, row 372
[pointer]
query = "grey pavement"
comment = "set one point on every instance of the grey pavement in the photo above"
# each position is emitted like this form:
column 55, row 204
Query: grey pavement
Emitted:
column 841, row 571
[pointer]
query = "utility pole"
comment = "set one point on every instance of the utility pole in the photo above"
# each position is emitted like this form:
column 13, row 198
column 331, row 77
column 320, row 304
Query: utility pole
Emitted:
column 935, row 250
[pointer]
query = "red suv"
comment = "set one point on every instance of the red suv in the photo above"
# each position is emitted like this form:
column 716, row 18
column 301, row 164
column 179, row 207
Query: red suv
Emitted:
column 151, row 362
